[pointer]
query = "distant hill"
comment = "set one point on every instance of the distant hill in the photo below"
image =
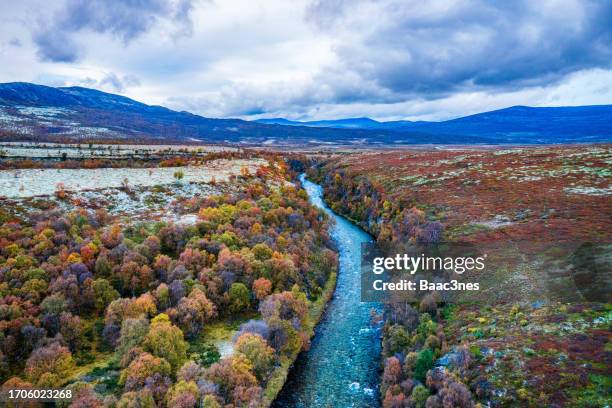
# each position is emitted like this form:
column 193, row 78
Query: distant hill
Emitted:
column 517, row 124
column 350, row 123
column 538, row 125
column 36, row 112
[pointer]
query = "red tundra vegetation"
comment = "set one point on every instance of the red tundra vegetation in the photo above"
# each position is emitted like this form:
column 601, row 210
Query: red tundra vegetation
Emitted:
column 534, row 336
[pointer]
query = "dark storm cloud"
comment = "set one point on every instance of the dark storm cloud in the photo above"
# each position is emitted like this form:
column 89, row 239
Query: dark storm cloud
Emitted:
column 55, row 46
column 441, row 47
column 125, row 20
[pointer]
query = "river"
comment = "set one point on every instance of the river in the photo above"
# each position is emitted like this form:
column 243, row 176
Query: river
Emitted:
column 341, row 369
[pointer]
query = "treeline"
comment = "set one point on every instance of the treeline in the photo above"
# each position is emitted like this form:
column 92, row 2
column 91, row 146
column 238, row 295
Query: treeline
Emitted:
column 74, row 284
column 126, row 161
column 366, row 202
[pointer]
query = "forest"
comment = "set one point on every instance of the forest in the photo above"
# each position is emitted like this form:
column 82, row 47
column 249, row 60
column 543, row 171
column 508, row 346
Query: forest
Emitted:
column 116, row 310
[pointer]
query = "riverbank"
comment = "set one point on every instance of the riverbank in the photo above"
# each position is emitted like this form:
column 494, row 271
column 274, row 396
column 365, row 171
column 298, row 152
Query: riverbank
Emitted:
column 279, row 376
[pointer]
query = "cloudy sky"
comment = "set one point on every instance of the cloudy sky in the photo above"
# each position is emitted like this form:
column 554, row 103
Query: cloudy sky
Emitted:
column 317, row 59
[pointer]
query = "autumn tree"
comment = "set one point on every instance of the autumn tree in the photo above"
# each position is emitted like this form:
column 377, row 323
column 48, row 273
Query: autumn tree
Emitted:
column 262, row 287
column 71, row 329
column 49, row 366
column 183, row 394
column 141, row 368
column 256, row 349
column 193, row 311
column 231, row 373
column 139, row 399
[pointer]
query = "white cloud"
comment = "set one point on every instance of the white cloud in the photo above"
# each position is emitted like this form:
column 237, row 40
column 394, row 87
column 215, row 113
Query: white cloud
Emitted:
column 300, row 59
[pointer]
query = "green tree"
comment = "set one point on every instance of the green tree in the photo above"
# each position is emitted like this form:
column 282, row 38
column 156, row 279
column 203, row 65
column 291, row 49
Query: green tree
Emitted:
column 420, row 395
column 166, row 341
column 210, row 402
column 424, row 362
column 262, row 252
column 397, row 340
column 54, row 304
column 239, row 297
column 133, row 333
column 104, row 293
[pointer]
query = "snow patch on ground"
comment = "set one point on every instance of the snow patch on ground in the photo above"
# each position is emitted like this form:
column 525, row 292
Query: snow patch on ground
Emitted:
column 595, row 191
column 38, row 182
column 498, row 221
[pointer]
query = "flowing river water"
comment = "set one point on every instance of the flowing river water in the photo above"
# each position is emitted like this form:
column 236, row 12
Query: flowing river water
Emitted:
column 341, row 369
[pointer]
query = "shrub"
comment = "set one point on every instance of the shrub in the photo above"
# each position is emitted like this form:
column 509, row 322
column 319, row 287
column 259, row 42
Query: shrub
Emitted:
column 60, row 191
column 178, row 175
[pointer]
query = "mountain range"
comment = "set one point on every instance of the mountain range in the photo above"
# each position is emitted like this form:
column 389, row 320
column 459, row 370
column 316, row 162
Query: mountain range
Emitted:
column 524, row 123
column 36, row 112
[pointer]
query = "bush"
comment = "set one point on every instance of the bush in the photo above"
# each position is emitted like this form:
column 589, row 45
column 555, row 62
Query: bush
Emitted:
column 204, row 354
column 178, row 175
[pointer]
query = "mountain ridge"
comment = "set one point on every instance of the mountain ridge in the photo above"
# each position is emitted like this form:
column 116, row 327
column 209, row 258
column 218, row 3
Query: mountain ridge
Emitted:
column 38, row 112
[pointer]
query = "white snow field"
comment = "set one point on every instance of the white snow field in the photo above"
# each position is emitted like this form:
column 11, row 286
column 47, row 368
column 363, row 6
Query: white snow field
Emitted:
column 97, row 151
column 37, row 182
